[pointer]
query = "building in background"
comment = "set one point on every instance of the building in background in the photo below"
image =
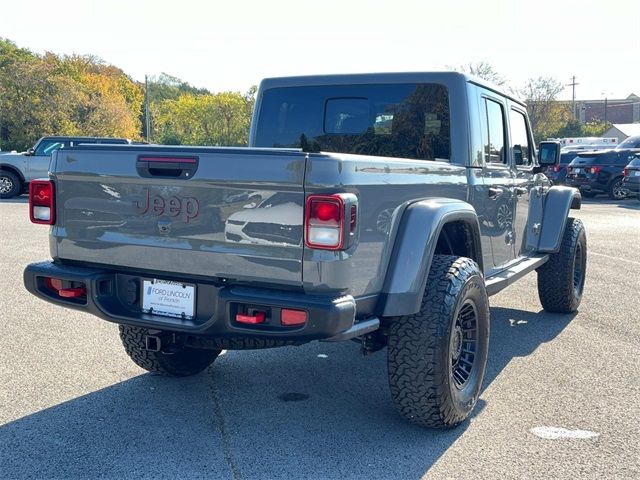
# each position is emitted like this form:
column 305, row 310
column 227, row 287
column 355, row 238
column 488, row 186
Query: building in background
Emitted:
column 623, row 130
column 612, row 110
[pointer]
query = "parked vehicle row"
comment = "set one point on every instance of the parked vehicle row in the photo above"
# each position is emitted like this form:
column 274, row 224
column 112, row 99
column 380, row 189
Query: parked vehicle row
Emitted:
column 17, row 169
column 602, row 171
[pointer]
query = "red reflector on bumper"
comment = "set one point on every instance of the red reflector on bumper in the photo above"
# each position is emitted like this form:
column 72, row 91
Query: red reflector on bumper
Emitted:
column 293, row 317
column 258, row 317
column 72, row 292
column 55, row 284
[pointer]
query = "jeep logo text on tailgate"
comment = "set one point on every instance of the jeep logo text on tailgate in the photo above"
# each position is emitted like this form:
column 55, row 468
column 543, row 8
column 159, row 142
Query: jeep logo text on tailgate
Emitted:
column 186, row 208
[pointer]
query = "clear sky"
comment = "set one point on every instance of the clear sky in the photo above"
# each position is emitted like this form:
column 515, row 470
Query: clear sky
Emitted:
column 232, row 44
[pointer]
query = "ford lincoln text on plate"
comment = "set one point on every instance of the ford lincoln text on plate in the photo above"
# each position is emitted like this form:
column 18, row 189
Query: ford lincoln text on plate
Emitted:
column 379, row 208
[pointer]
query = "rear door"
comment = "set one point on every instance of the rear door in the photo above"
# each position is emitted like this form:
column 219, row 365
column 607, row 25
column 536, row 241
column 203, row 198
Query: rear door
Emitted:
column 496, row 202
column 214, row 212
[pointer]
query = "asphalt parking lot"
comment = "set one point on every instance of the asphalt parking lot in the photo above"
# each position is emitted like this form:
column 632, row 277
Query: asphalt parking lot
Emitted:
column 561, row 395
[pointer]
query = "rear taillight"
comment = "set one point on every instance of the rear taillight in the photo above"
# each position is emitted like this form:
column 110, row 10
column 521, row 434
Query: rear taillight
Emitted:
column 594, row 169
column 42, row 202
column 556, row 168
column 330, row 221
column 625, row 172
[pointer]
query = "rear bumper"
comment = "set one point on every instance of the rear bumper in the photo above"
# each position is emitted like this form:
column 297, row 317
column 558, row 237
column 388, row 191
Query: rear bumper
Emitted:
column 586, row 184
column 115, row 296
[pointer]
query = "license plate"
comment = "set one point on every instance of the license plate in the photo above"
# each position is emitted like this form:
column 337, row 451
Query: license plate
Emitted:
column 576, row 170
column 171, row 299
column 637, row 173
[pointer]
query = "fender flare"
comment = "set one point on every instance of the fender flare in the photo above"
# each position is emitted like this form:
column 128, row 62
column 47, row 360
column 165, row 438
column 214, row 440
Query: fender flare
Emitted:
column 413, row 250
column 13, row 169
column 557, row 203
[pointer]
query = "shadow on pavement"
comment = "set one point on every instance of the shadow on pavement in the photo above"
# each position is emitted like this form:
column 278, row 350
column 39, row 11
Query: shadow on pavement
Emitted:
column 632, row 202
column 241, row 420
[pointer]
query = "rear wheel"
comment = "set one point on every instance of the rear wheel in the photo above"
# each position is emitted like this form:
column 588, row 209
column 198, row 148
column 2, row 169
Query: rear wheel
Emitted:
column 616, row 189
column 437, row 357
column 10, row 185
column 182, row 363
column 561, row 279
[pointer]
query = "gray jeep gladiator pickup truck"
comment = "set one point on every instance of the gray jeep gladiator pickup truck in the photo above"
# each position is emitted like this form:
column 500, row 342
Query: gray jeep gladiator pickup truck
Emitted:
column 380, row 208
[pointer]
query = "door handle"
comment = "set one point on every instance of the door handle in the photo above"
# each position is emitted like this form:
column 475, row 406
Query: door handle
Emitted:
column 495, row 192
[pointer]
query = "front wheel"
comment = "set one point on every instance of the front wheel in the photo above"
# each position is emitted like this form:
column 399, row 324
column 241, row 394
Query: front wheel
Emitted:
column 561, row 279
column 182, row 363
column 437, row 357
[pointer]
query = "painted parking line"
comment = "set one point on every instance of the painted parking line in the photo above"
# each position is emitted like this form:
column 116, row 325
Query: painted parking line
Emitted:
column 625, row 260
column 559, row 433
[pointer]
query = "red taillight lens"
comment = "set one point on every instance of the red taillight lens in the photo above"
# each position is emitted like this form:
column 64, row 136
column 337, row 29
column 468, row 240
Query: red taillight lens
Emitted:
column 326, row 211
column 625, row 172
column 556, row 168
column 594, row 169
column 324, row 222
column 41, row 202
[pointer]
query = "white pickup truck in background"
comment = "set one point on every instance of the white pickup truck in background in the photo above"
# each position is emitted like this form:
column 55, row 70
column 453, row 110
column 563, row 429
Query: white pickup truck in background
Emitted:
column 17, row 169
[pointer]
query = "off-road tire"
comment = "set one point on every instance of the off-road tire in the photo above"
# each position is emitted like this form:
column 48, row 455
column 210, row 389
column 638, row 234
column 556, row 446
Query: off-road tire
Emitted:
column 561, row 279
column 419, row 359
column 11, row 181
column 182, row 363
column 615, row 187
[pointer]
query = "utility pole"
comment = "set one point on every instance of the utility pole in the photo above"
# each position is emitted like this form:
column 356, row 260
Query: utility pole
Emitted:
column 606, row 108
column 573, row 95
column 147, row 118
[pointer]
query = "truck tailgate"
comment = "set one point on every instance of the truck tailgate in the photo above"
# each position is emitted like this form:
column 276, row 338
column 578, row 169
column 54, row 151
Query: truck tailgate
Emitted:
column 218, row 212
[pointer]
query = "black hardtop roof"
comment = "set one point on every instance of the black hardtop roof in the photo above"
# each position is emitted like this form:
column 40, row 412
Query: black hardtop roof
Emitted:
column 446, row 77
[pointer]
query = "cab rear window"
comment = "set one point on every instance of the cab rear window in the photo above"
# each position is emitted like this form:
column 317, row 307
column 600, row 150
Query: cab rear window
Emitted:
column 391, row 120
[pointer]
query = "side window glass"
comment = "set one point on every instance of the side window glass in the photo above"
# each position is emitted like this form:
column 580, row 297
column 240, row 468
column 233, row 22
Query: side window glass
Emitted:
column 48, row 147
column 520, row 144
column 493, row 140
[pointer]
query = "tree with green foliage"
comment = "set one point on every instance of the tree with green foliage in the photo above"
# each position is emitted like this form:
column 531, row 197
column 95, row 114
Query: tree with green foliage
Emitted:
column 203, row 119
column 547, row 115
column 63, row 95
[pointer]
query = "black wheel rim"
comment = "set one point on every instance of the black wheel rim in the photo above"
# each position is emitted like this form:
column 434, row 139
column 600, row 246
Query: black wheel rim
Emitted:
column 578, row 271
column 463, row 347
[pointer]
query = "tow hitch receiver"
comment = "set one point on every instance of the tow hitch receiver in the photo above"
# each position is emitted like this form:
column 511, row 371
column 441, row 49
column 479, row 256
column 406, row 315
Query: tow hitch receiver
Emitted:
column 152, row 343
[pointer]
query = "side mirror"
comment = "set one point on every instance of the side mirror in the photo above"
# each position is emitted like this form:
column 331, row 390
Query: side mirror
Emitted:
column 30, row 152
column 549, row 154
